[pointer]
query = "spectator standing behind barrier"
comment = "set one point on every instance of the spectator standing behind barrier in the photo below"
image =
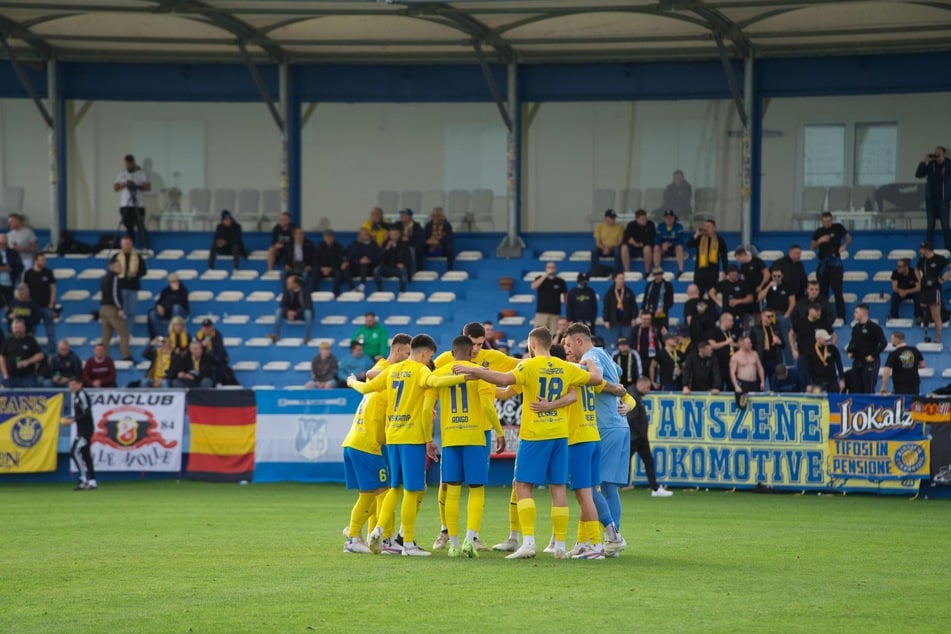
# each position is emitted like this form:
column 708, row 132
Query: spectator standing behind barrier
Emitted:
column 282, row 234
column 905, row 287
column 99, row 369
column 769, row 344
column 665, row 369
column 11, row 267
column 639, row 238
column 902, row 367
column 787, row 381
column 20, row 358
column 323, row 369
column 865, row 348
column 629, row 361
column 132, row 183
column 733, row 295
column 551, row 291
column 711, row 256
column 361, row 258
column 63, row 364
column 396, row 260
column 438, row 238
column 356, row 363
column 172, row 302
column 111, row 313
column 794, row 272
column 723, row 341
column 620, row 309
column 936, row 169
column 298, row 259
column 646, row 340
column 828, row 241
column 195, row 369
column 582, row 304
column 658, row 298
column 296, row 305
column 780, row 303
column 678, row 195
column 160, row 353
column 746, row 371
column 608, row 237
column 411, row 234
column 753, row 271
column 825, row 365
column 701, row 372
column 639, row 420
column 42, row 284
column 373, row 336
column 22, row 240
column 932, row 271
column 132, row 269
column 800, row 310
column 802, row 338
column 700, row 314
column 228, row 241
column 328, row 262
column 669, row 241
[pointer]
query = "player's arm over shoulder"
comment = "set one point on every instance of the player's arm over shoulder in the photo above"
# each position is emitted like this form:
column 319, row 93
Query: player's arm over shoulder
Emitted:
column 376, row 385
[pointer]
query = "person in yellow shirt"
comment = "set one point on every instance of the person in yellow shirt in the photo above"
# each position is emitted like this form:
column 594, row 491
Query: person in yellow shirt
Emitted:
column 376, row 226
column 542, row 455
column 466, row 411
column 409, row 437
column 608, row 237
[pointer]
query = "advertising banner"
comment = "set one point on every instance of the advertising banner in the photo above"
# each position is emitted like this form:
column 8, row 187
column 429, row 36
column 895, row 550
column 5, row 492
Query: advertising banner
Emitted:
column 29, row 431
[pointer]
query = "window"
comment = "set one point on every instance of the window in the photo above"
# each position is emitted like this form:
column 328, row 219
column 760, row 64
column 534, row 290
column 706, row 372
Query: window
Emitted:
column 876, row 146
column 823, row 155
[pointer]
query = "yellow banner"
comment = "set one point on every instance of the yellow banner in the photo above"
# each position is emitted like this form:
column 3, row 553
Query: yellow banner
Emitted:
column 701, row 440
column 29, row 431
column 882, row 459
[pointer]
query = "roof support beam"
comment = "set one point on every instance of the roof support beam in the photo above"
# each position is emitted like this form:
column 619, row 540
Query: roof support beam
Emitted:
column 731, row 79
column 262, row 87
column 26, row 83
column 493, row 87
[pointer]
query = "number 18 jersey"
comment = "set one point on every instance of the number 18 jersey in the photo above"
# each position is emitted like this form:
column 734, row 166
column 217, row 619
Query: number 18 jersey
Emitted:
column 546, row 379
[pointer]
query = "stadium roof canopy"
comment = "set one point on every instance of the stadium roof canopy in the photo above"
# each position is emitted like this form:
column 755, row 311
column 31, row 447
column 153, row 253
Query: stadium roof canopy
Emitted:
column 420, row 31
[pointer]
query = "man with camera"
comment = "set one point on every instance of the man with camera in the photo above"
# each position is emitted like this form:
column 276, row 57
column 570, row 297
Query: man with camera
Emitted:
column 131, row 183
column 937, row 172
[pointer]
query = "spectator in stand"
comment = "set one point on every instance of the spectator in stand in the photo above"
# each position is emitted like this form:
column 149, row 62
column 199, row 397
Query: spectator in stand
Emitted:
column 42, row 285
column 608, row 237
column 670, row 241
column 936, row 169
column 361, row 258
column 11, row 268
column 701, row 372
column 787, row 381
column 178, row 335
column 800, row 310
column 438, row 238
column 160, row 353
column 20, row 358
column 629, row 361
column 733, row 295
column 22, row 240
column 551, row 291
column 376, row 227
column 582, row 304
column 281, row 235
column 679, row 195
column 411, row 234
column 802, row 338
column 99, row 370
column 665, row 368
column 724, row 343
column 561, row 330
column 865, row 348
column 754, row 272
column 131, row 271
column 658, row 298
column 171, row 302
column 620, row 309
column 227, row 241
column 23, row 308
column 195, row 369
column 490, row 341
column 323, row 369
column 794, row 273
column 355, row 363
column 395, row 261
column 329, row 261
column 700, row 314
column 214, row 345
column 296, row 305
column 825, row 364
column 768, row 343
column 780, row 303
column 646, row 340
column 711, row 256
column 746, row 370
column 373, row 336
column 111, row 313
column 639, row 238
column 905, row 287
column 932, row 272
column 828, row 241
column 299, row 258
column 63, row 365
column 902, row 367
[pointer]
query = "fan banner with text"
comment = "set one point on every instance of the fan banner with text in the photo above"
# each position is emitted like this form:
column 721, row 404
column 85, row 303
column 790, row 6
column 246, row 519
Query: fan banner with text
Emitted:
column 29, row 431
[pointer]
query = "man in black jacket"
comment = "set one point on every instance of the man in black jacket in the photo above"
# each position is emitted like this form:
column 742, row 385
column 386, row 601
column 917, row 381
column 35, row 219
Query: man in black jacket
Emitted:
column 395, row 261
column 582, row 304
column 937, row 170
column 865, row 348
column 172, row 302
column 362, row 256
column 299, row 258
column 701, row 371
column 825, row 365
column 794, row 273
column 411, row 234
column 195, row 369
column 658, row 298
column 80, row 450
column 329, row 261
column 296, row 305
column 228, row 240
column 111, row 313
column 11, row 267
column 711, row 256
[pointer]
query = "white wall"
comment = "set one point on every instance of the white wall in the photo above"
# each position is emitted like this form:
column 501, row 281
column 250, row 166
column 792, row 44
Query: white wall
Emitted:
column 24, row 157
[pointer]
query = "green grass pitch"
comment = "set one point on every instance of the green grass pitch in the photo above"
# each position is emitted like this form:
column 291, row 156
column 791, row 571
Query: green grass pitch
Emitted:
column 161, row 556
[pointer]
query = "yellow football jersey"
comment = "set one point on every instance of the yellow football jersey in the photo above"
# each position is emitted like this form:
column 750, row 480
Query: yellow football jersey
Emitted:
column 492, row 359
column 367, row 432
column 464, row 410
column 582, row 420
column 546, row 379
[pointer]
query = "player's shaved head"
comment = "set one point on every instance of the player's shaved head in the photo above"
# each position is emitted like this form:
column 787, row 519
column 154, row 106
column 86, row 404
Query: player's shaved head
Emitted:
column 423, row 342
column 462, row 348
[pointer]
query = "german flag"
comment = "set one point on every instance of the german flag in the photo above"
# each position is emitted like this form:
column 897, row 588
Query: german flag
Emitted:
column 223, row 426
column 927, row 409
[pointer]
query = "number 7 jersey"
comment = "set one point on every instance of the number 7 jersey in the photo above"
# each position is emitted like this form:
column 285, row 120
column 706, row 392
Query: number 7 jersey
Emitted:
column 546, row 379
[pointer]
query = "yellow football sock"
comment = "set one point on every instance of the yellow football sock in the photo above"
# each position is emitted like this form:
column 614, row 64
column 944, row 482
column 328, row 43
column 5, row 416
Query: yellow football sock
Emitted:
column 559, row 522
column 411, row 501
column 360, row 512
column 387, row 514
column 449, row 508
column 526, row 517
column 513, row 513
column 474, row 508
column 441, row 499
column 593, row 532
column 582, row 531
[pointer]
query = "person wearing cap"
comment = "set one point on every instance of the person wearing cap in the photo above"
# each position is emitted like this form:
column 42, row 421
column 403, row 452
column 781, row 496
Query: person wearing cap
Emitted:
column 172, row 301
column 438, row 238
column 828, row 241
column 328, row 261
column 629, row 362
column 936, row 169
column 669, row 241
column 411, row 234
column 582, row 304
column 905, row 287
column 733, row 295
column 865, row 348
column 658, row 298
column 825, row 364
column 228, row 240
column 620, row 309
column 932, row 272
column 298, row 259
column 639, row 238
column 608, row 237
column 678, row 195
column 131, row 183
column 282, row 234
column 665, row 368
column 711, row 256
column 323, row 369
